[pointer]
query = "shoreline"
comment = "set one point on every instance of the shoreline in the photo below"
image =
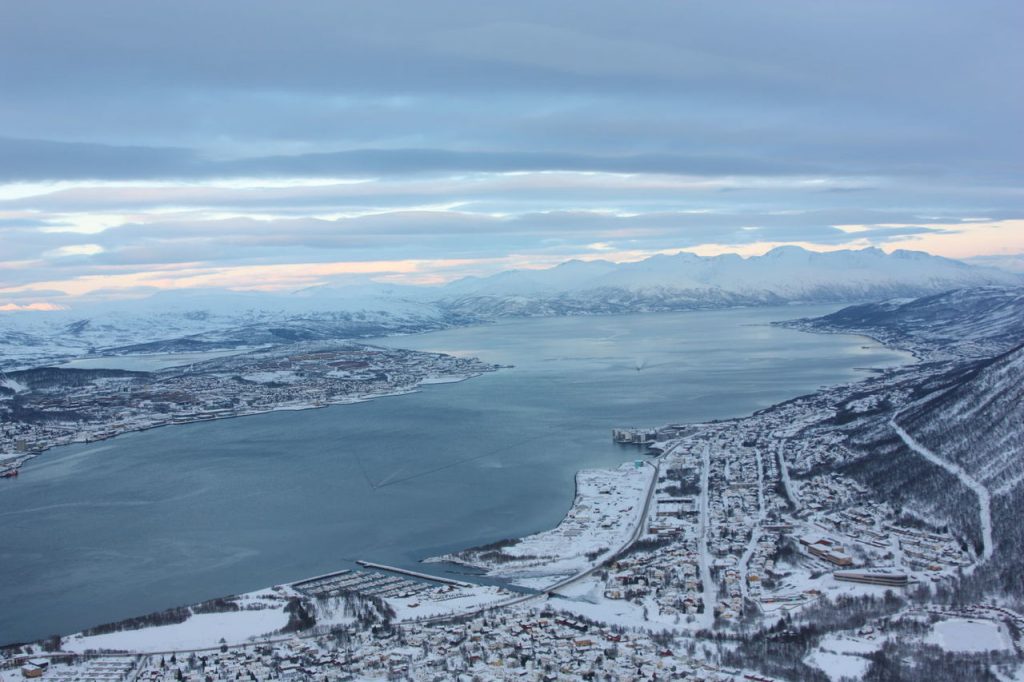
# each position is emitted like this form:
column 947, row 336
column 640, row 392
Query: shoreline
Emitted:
column 24, row 458
column 19, row 459
column 796, row 325
column 546, row 558
column 459, row 379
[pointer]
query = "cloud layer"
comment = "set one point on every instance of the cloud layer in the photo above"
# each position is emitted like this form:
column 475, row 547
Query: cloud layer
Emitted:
column 260, row 144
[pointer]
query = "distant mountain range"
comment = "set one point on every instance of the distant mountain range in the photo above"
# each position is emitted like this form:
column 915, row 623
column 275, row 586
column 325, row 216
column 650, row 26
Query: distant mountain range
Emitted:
column 174, row 322
column 197, row 320
column 686, row 282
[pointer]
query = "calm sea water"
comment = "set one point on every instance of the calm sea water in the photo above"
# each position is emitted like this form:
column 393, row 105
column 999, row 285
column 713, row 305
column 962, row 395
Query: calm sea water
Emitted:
column 98, row 532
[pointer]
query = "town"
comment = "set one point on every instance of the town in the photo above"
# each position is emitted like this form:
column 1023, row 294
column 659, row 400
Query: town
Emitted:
column 46, row 407
column 728, row 531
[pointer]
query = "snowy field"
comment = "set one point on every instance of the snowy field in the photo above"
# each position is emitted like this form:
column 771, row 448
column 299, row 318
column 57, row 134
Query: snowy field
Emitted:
column 586, row 598
column 839, row 666
column 201, row 631
column 970, row 636
column 262, row 614
column 843, row 656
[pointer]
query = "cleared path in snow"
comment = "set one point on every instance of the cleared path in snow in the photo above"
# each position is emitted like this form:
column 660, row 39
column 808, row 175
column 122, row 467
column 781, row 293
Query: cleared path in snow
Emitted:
column 784, row 473
column 709, row 588
column 984, row 498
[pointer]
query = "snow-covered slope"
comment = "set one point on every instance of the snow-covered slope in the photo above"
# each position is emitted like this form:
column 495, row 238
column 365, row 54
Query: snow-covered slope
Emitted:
column 687, row 281
column 947, row 443
column 195, row 321
column 970, row 421
column 967, row 323
column 978, row 422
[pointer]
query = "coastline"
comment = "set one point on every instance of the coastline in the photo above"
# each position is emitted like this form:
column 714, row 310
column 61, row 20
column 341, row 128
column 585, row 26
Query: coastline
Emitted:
column 366, row 398
column 800, row 325
column 597, row 525
column 24, row 458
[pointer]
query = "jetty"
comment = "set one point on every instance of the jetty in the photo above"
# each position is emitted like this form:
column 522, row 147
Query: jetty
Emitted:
column 414, row 574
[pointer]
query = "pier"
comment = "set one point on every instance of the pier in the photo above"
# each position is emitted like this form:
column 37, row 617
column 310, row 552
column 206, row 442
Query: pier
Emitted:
column 316, row 578
column 414, row 574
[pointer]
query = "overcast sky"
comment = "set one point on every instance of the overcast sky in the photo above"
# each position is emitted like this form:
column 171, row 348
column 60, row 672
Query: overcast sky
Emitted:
column 256, row 144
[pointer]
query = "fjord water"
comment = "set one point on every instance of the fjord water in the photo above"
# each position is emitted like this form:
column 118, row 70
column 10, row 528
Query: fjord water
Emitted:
column 99, row 532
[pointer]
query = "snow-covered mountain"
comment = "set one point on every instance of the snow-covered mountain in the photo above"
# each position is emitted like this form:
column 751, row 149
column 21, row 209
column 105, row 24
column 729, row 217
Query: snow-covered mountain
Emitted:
column 955, row 454
column 686, row 281
column 977, row 422
column 967, row 323
column 944, row 439
column 208, row 320
column 199, row 320
column 976, row 425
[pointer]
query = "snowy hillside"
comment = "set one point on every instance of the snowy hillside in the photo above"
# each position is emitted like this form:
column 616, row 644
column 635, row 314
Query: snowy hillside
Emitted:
column 943, row 440
column 967, row 323
column 978, row 423
column 975, row 429
column 198, row 321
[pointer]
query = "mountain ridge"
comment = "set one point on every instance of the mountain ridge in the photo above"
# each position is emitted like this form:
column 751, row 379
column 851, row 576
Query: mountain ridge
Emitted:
column 683, row 281
column 975, row 322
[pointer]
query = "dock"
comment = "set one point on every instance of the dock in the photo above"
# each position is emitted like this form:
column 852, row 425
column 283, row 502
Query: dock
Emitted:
column 414, row 574
column 325, row 576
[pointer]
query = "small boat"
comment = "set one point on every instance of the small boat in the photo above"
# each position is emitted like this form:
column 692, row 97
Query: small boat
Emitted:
column 10, row 473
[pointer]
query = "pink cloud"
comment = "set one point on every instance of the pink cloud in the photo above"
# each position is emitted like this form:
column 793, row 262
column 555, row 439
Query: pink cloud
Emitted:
column 42, row 305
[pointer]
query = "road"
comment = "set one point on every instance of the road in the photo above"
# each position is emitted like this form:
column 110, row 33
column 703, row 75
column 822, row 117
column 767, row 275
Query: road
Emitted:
column 984, row 498
column 702, row 545
column 755, row 532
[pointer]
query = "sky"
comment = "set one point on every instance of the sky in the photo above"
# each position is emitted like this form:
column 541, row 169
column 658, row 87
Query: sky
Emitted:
column 266, row 145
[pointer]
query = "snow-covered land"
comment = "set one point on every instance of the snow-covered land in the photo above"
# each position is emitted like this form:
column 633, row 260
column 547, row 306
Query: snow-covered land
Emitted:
column 200, row 631
column 972, row 323
column 174, row 321
column 944, row 439
column 839, row 535
column 970, row 636
column 214, row 320
column 49, row 406
column 843, row 656
column 604, row 517
column 686, row 281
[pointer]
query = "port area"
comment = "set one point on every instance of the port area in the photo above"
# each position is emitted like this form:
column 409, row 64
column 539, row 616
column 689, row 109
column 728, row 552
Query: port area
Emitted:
column 414, row 574
column 9, row 464
column 607, row 512
column 410, row 595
